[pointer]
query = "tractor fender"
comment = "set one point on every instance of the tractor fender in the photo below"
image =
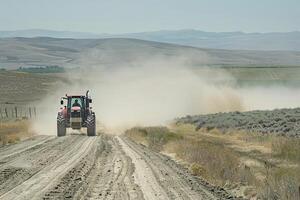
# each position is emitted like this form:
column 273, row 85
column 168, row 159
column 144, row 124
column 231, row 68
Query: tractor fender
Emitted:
column 64, row 112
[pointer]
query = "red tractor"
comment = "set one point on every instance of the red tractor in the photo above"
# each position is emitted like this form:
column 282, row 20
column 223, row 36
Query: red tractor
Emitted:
column 76, row 114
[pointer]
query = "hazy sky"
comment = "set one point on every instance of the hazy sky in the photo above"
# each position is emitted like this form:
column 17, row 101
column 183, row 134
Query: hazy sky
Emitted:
column 120, row 16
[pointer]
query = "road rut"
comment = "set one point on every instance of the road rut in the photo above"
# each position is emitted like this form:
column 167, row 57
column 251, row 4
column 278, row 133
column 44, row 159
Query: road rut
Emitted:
column 102, row 167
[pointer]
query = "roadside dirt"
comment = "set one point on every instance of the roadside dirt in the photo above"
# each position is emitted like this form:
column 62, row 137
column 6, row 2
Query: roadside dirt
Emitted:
column 103, row 167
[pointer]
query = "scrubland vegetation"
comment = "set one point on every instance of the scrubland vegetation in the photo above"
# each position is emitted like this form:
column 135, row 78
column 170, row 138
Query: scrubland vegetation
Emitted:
column 248, row 164
column 280, row 122
column 42, row 69
column 14, row 131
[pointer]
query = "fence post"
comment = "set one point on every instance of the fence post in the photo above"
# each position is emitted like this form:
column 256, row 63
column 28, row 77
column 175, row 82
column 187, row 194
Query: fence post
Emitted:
column 30, row 112
column 6, row 113
column 16, row 110
column 1, row 113
column 34, row 109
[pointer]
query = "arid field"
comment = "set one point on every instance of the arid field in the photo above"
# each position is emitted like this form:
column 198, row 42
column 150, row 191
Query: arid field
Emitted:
column 168, row 127
column 219, row 156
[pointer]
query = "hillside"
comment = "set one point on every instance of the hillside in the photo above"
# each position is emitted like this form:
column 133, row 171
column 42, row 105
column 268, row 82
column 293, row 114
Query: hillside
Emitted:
column 279, row 41
column 225, row 40
column 16, row 52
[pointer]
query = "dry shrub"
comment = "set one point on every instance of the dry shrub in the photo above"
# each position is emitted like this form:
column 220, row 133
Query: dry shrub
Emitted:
column 3, row 139
column 250, row 136
column 286, row 148
column 158, row 136
column 215, row 131
column 214, row 162
column 284, row 182
column 155, row 137
column 137, row 134
column 12, row 132
column 281, row 184
column 198, row 170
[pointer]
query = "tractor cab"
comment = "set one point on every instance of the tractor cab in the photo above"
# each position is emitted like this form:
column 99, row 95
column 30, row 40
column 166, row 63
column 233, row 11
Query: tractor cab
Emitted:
column 76, row 113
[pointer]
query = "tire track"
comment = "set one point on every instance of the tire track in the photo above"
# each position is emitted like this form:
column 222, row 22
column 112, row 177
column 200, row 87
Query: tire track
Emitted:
column 51, row 162
column 103, row 167
column 107, row 174
column 119, row 183
column 161, row 178
column 20, row 167
column 11, row 150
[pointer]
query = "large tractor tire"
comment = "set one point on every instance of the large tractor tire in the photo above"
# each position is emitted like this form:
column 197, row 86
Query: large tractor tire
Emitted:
column 61, row 125
column 91, row 125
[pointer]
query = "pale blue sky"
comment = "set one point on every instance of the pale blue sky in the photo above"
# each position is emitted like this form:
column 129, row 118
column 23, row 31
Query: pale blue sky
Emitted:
column 121, row 16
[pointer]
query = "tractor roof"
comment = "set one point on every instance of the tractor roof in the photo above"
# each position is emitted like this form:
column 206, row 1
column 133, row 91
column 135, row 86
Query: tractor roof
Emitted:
column 75, row 96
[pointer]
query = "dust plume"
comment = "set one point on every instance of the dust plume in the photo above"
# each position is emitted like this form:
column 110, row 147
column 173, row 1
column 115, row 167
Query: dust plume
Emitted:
column 270, row 97
column 153, row 91
column 143, row 92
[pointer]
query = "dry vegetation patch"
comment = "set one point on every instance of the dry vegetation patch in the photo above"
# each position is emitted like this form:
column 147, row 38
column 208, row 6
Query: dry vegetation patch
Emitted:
column 25, row 88
column 280, row 122
column 14, row 131
column 154, row 137
column 247, row 163
column 286, row 148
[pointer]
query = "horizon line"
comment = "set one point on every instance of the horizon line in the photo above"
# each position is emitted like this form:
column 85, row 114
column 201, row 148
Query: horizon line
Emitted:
column 150, row 31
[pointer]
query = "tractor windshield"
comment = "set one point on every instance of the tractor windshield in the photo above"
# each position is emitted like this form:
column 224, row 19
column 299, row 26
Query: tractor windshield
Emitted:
column 76, row 102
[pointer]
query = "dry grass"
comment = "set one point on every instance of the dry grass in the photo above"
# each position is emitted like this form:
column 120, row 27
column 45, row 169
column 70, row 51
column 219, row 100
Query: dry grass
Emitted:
column 265, row 166
column 212, row 161
column 28, row 87
column 280, row 158
column 276, row 169
column 286, row 148
column 154, row 137
column 281, row 183
column 137, row 134
column 208, row 159
column 14, row 131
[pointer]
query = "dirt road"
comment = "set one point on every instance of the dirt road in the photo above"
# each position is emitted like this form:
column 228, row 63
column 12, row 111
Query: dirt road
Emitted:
column 103, row 167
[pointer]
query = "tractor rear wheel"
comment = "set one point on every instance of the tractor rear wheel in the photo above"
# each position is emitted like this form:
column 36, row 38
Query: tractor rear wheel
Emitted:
column 61, row 125
column 91, row 125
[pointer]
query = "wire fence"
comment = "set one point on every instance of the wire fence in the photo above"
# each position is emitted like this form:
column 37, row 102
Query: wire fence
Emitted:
column 17, row 112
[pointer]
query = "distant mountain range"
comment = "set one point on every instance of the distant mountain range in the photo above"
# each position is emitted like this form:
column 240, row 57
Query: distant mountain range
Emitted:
column 277, row 41
column 31, row 33
column 225, row 40
column 117, row 52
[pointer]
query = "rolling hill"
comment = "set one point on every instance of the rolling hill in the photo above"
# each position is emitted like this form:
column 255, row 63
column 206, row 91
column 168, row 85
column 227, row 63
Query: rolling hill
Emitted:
column 278, row 41
column 40, row 51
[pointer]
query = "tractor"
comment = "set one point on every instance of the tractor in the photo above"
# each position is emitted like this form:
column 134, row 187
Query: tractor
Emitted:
column 76, row 114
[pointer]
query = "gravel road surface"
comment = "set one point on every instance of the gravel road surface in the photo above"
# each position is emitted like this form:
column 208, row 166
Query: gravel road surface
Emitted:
column 102, row 167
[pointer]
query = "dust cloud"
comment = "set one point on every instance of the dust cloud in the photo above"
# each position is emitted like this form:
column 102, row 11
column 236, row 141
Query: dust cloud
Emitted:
column 270, row 97
column 154, row 91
